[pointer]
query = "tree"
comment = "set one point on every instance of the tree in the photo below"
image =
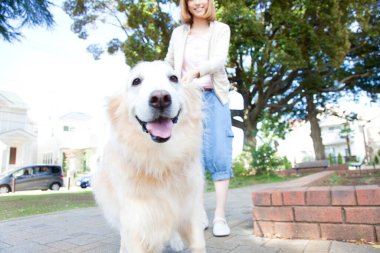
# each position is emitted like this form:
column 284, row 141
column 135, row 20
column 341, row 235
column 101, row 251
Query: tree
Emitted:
column 346, row 133
column 16, row 14
column 287, row 58
column 147, row 26
column 359, row 71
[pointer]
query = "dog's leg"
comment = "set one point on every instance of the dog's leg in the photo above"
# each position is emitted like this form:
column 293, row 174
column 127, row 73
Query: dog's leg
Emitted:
column 133, row 242
column 130, row 243
column 135, row 245
column 176, row 243
column 195, row 237
column 194, row 232
column 197, row 243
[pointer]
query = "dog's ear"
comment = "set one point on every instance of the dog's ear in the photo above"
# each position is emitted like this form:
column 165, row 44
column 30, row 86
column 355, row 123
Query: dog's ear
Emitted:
column 114, row 108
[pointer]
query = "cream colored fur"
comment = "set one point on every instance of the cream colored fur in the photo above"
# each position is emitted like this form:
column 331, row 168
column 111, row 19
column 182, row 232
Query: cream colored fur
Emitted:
column 150, row 191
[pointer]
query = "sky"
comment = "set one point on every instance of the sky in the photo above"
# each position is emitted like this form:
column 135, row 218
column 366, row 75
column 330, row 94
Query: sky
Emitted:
column 51, row 70
column 53, row 73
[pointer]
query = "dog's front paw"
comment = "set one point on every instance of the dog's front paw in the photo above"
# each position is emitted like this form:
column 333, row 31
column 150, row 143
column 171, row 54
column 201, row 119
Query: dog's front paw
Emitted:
column 176, row 243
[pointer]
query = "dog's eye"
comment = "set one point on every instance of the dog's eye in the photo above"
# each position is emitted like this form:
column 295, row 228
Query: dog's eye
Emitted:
column 173, row 78
column 136, row 81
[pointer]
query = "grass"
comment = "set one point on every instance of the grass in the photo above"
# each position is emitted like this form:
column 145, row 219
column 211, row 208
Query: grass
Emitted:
column 363, row 179
column 334, row 179
column 242, row 181
column 43, row 202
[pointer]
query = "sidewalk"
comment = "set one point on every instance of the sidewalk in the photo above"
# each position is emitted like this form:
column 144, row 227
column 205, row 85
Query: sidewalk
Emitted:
column 86, row 231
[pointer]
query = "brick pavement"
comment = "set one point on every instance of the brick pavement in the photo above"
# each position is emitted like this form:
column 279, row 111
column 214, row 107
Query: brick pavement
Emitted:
column 86, row 231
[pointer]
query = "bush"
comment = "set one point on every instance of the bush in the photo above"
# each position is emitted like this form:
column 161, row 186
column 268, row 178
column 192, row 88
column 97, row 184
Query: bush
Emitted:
column 331, row 159
column 242, row 164
column 264, row 159
column 340, row 159
column 286, row 163
column 376, row 159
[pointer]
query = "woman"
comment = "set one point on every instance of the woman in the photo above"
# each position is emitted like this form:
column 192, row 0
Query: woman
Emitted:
column 198, row 50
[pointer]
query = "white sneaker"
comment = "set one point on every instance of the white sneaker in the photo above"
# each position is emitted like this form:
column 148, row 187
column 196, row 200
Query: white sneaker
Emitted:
column 221, row 227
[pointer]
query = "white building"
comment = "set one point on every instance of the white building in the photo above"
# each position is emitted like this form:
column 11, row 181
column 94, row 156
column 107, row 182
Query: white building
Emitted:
column 18, row 134
column 70, row 140
column 364, row 139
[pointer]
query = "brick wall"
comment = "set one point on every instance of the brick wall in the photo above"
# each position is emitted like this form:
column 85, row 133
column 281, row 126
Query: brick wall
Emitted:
column 333, row 213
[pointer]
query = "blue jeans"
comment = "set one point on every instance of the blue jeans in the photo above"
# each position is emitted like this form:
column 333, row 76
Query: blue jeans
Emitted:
column 217, row 137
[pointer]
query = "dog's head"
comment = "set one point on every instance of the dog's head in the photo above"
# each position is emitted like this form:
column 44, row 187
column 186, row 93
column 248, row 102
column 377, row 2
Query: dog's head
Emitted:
column 153, row 98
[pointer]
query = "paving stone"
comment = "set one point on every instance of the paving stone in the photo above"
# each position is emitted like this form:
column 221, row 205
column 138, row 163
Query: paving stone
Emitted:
column 62, row 245
column 341, row 247
column 86, row 231
column 217, row 250
column 295, row 245
column 27, row 248
column 290, row 251
column 318, row 246
column 314, row 251
column 4, row 245
column 104, row 249
column 91, row 247
column 252, row 249
column 49, row 238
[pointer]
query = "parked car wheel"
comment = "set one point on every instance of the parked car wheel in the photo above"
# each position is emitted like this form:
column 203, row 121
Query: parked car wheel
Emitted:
column 55, row 187
column 83, row 186
column 4, row 189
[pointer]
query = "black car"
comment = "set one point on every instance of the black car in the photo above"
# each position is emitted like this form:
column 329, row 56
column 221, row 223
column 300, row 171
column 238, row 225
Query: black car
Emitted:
column 84, row 182
column 32, row 177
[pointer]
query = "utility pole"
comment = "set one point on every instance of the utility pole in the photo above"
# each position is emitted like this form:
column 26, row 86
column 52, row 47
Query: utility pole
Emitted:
column 366, row 149
column 366, row 158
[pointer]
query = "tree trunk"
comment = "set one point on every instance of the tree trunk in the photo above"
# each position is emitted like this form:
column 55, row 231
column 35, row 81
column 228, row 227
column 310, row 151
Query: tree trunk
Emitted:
column 348, row 146
column 315, row 129
column 249, row 134
column 253, row 116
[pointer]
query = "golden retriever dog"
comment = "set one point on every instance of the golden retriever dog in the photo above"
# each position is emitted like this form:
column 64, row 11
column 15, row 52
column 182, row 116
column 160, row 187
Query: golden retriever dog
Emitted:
column 150, row 180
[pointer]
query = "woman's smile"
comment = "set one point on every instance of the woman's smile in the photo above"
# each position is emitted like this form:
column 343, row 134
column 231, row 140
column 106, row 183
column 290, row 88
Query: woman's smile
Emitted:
column 197, row 8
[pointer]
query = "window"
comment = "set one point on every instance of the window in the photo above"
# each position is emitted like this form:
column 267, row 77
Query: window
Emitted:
column 41, row 170
column 68, row 129
column 56, row 169
column 27, row 172
column 12, row 155
column 333, row 128
column 48, row 158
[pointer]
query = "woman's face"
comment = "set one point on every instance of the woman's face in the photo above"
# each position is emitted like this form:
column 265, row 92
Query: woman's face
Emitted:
column 197, row 8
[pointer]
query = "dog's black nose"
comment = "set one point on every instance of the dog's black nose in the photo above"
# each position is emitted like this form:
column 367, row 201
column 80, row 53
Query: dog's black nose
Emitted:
column 160, row 99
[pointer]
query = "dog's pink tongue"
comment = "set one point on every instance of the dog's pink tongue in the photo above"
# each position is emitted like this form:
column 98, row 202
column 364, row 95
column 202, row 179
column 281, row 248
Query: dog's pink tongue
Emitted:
column 160, row 128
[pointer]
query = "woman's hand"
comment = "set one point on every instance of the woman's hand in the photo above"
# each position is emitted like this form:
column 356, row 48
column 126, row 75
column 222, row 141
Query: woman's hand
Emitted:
column 190, row 76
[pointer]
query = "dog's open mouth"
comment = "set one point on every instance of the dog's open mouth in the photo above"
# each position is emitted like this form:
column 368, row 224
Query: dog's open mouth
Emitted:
column 160, row 129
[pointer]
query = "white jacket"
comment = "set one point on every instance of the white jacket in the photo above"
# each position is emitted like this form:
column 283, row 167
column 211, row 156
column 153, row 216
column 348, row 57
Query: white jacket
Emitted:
column 218, row 52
